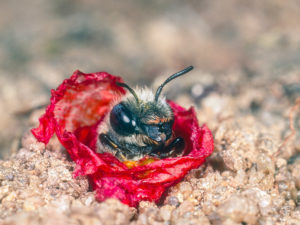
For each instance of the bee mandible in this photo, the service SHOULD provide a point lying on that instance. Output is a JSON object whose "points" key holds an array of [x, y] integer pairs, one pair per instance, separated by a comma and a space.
{"points": [[140, 124]]}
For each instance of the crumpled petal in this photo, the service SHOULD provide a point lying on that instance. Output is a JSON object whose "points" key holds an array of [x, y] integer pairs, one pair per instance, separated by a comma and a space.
{"points": [[77, 108]]}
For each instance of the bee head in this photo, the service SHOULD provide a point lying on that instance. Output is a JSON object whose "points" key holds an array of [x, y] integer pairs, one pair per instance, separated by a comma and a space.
{"points": [[145, 113], [152, 119]]}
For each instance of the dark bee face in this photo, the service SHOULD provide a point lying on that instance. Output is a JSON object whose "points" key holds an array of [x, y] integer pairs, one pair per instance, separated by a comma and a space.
{"points": [[126, 121], [160, 132]]}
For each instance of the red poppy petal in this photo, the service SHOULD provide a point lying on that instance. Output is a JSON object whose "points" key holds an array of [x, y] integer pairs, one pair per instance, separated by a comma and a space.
{"points": [[78, 106]]}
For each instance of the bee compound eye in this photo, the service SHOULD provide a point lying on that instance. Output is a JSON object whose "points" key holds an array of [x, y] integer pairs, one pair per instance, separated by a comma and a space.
{"points": [[121, 120]]}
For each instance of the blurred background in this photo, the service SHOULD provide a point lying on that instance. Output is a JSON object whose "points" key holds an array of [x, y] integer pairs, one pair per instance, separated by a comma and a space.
{"points": [[248, 51]]}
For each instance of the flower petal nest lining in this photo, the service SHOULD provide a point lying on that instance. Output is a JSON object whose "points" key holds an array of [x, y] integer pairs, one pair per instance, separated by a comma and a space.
{"points": [[77, 108]]}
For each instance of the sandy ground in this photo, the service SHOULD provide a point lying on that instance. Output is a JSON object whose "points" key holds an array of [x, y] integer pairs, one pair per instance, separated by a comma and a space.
{"points": [[245, 88]]}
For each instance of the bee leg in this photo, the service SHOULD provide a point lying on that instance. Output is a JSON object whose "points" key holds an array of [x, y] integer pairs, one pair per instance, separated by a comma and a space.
{"points": [[176, 145], [105, 139]]}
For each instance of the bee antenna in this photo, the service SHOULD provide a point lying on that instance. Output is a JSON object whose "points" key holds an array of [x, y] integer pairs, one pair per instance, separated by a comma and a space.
{"points": [[172, 77], [129, 89]]}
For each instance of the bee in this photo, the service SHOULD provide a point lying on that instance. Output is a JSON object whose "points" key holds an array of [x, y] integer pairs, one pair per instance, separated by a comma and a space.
{"points": [[140, 124]]}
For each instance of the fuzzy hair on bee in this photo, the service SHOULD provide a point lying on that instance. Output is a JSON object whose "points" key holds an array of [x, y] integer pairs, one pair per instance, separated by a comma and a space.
{"points": [[140, 124]]}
